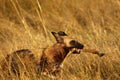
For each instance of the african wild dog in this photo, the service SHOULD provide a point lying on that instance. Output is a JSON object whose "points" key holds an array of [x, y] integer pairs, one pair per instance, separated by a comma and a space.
{"points": [[53, 56]]}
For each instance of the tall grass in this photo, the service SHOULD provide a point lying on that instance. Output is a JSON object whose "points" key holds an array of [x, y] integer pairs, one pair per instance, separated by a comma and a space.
{"points": [[96, 24]]}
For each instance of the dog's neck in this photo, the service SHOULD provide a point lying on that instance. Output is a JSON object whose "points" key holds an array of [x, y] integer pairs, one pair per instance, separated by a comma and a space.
{"points": [[62, 52]]}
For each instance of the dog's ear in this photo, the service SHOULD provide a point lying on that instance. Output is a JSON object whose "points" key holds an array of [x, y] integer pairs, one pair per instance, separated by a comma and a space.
{"points": [[59, 36], [61, 33]]}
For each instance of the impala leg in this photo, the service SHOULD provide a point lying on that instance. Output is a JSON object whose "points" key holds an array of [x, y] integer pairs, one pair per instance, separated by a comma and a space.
{"points": [[93, 51]]}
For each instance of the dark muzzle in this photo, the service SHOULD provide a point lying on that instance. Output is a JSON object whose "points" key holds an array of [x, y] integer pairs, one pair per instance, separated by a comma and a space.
{"points": [[75, 44]]}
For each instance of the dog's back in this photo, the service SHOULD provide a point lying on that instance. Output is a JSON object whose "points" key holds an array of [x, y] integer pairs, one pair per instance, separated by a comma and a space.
{"points": [[18, 61]]}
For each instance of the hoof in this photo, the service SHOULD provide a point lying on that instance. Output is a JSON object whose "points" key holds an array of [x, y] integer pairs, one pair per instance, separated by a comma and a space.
{"points": [[101, 54]]}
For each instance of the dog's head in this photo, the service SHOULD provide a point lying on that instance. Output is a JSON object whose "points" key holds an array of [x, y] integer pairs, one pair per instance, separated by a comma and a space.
{"points": [[63, 38]]}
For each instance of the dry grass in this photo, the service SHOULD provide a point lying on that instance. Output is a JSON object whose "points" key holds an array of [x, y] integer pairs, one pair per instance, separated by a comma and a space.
{"points": [[28, 23]]}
